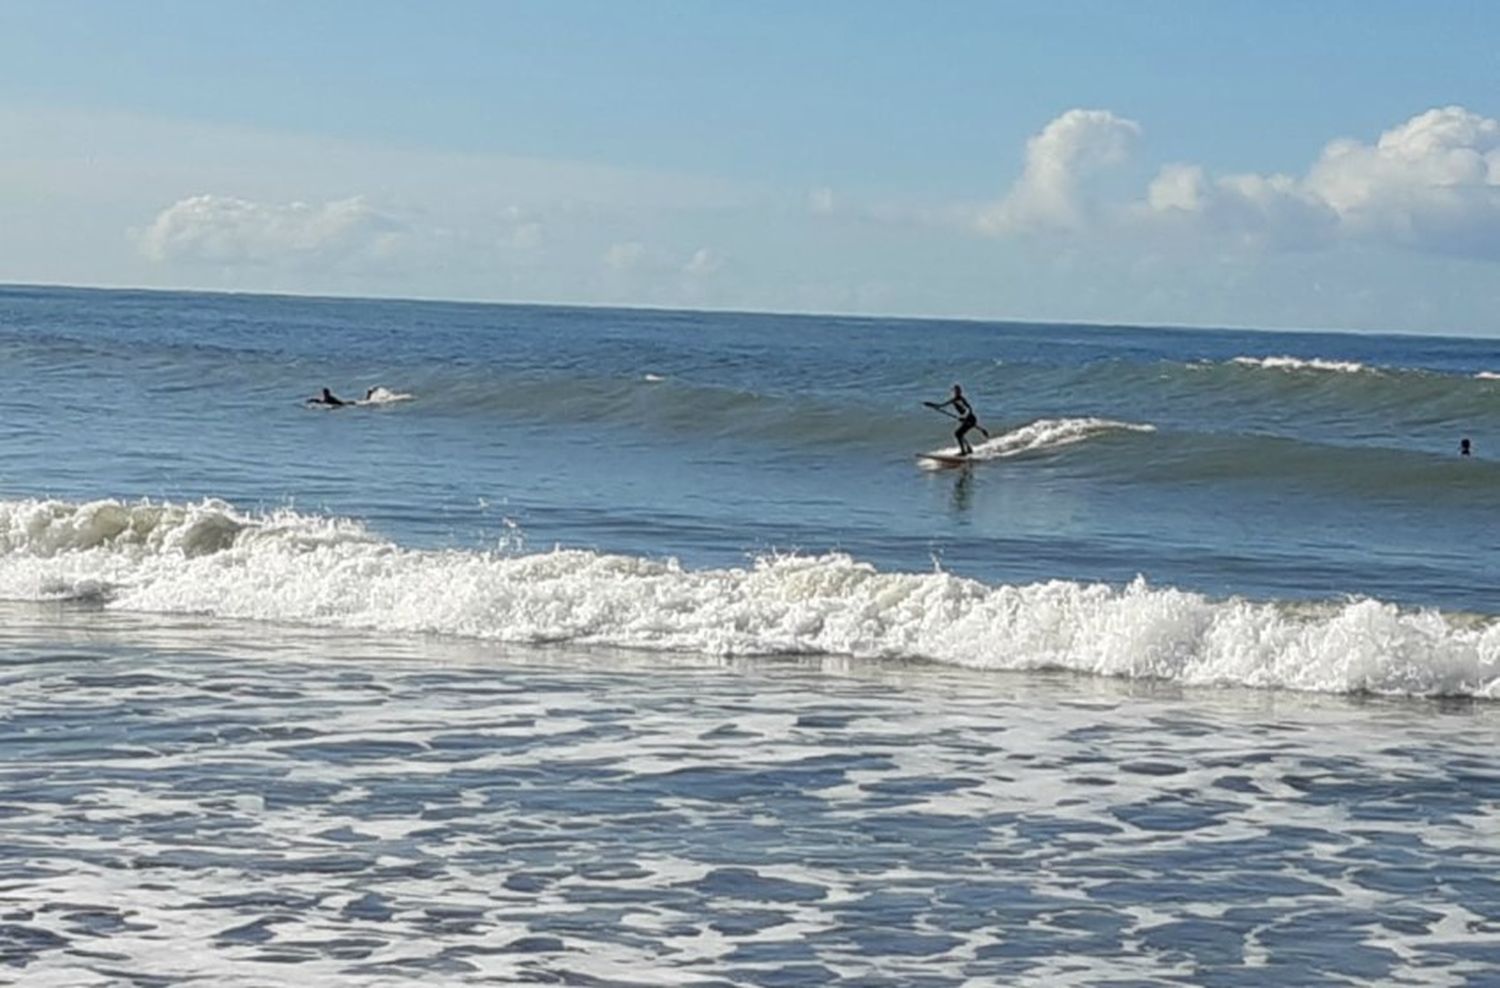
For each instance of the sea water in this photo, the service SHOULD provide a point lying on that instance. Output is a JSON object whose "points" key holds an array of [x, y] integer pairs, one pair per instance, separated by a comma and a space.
{"points": [[631, 647]]}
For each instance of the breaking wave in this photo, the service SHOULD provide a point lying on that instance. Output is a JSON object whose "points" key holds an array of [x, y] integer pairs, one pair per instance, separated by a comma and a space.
{"points": [[1304, 364], [1048, 434], [208, 558]]}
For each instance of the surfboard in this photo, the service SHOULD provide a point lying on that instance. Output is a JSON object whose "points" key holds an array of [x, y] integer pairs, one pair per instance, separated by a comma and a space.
{"points": [[945, 459], [382, 396]]}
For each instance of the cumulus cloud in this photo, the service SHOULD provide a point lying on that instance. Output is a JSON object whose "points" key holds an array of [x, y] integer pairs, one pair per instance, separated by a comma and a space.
{"points": [[1430, 184], [1052, 192], [229, 231], [1258, 210]]}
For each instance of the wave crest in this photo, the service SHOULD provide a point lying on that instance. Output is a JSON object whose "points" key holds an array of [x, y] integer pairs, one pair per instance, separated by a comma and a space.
{"points": [[1048, 434], [44, 529], [285, 567], [1285, 363]]}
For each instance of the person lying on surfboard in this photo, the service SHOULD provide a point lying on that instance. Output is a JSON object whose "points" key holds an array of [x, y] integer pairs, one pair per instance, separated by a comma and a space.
{"points": [[326, 398], [962, 411]]}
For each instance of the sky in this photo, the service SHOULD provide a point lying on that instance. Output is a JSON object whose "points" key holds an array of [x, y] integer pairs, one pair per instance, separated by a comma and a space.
{"points": [[1276, 163]]}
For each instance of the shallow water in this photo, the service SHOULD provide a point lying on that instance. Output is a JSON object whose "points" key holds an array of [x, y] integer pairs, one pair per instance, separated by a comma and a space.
{"points": [[448, 813]]}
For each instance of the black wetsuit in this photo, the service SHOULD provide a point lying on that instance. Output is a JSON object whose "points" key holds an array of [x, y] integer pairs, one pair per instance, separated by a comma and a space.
{"points": [[967, 421]]}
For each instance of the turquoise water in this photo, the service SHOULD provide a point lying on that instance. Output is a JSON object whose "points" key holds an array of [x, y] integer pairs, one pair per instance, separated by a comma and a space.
{"points": [[625, 647]]}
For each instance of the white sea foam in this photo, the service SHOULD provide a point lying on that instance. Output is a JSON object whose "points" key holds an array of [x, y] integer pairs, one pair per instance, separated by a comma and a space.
{"points": [[384, 396], [1046, 434], [209, 559], [1488, 376], [1303, 364]]}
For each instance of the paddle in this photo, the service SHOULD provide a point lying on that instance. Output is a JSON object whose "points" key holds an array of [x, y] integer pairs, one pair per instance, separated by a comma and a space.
{"points": [[957, 418]]}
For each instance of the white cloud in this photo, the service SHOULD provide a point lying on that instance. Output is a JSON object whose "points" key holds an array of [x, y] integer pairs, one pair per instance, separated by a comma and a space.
{"points": [[1052, 192], [1258, 210], [624, 256], [1431, 184], [229, 231], [1182, 188], [102, 197], [497, 226], [703, 263]]}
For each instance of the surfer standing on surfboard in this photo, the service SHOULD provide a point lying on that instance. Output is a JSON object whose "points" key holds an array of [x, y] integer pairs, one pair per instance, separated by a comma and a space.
{"points": [[962, 411]]}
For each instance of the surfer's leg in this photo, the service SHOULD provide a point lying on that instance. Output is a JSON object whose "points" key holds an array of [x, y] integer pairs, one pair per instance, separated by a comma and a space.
{"points": [[969, 423]]}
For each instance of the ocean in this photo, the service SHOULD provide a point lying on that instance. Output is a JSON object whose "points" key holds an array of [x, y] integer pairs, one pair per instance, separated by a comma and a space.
{"points": [[626, 647]]}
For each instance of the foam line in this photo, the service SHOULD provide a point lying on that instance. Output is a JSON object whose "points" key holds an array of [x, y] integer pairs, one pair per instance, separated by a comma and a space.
{"points": [[208, 558]]}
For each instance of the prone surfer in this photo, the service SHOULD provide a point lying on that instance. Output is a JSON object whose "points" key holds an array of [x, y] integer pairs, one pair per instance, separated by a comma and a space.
{"points": [[962, 411], [327, 398]]}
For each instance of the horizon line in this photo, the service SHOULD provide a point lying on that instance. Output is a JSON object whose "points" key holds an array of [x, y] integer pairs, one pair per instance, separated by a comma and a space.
{"points": [[783, 313]]}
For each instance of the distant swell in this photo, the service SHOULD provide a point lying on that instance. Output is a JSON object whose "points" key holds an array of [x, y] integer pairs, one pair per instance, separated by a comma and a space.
{"points": [[210, 559], [1292, 395], [1303, 397]]}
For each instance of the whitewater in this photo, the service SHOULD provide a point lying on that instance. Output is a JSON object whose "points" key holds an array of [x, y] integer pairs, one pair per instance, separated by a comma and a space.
{"points": [[638, 647], [289, 568]]}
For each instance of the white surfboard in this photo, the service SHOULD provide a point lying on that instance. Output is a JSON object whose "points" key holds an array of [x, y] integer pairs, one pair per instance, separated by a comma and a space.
{"points": [[945, 459]]}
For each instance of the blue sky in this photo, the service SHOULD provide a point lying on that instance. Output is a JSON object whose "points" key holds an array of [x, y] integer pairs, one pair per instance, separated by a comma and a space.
{"points": [[1159, 162]]}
